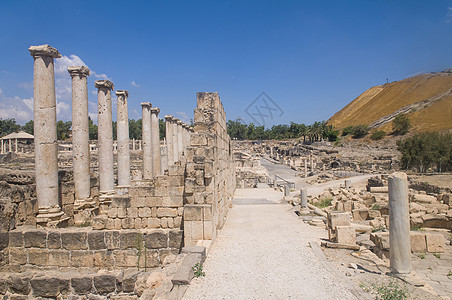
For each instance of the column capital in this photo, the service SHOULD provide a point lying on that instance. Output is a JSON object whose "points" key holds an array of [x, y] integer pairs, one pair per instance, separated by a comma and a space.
{"points": [[168, 118], [179, 122], [155, 110], [146, 104], [104, 84], [78, 71], [122, 93], [44, 50]]}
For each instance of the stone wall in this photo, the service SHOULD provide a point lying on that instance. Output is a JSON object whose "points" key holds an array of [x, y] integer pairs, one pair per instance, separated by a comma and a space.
{"points": [[209, 181], [30, 247]]}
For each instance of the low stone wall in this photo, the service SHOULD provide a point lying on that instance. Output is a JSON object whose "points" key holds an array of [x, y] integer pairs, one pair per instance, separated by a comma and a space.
{"points": [[84, 247]]}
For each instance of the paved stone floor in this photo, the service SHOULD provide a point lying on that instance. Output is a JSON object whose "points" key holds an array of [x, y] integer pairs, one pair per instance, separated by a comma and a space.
{"points": [[262, 252]]}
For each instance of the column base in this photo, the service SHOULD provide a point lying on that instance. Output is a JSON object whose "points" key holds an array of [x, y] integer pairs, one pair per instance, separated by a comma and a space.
{"points": [[410, 278], [84, 203], [51, 217], [122, 189]]}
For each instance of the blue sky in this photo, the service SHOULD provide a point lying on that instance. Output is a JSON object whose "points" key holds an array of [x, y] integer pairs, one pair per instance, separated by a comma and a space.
{"points": [[310, 57]]}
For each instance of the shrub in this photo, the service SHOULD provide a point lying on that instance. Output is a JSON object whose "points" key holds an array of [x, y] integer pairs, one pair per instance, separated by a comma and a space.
{"points": [[347, 130], [323, 203], [378, 135], [360, 131], [401, 124]]}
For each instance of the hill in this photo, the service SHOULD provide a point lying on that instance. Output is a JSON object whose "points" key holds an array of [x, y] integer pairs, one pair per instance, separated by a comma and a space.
{"points": [[426, 98]]}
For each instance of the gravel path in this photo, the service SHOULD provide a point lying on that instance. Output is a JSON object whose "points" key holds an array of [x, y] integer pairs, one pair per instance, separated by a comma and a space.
{"points": [[262, 252]]}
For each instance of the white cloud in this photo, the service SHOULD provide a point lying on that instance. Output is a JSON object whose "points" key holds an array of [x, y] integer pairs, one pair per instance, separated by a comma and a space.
{"points": [[181, 115], [29, 103], [16, 108], [93, 117], [101, 76], [133, 83], [25, 85], [449, 15]]}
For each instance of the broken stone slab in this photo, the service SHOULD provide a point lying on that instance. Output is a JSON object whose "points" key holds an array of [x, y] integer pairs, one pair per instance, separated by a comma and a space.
{"points": [[340, 246], [378, 189], [361, 228], [423, 198], [185, 273], [435, 242]]}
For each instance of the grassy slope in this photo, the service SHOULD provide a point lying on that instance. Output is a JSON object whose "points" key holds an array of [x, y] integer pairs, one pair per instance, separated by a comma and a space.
{"points": [[383, 100]]}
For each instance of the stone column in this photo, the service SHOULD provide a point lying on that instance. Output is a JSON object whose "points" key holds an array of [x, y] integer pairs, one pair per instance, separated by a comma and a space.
{"points": [[163, 158], [399, 224], [122, 120], [304, 198], [155, 141], [105, 136], [15, 146], [175, 140], [180, 143], [80, 133], [305, 168], [348, 183], [1, 148], [169, 139], [46, 146], [133, 144], [147, 140], [10, 145]]}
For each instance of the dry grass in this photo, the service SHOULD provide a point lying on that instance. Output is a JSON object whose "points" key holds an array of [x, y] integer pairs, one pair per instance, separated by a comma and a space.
{"points": [[380, 101]]}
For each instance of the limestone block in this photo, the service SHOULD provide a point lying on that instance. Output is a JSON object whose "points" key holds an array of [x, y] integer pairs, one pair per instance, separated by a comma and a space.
{"points": [[175, 239], [166, 212], [345, 235], [177, 222], [104, 284], [348, 206], [19, 283], [82, 259], [360, 214], [126, 258], [137, 223], [415, 207], [53, 240], [153, 223], [339, 206], [193, 231], [157, 239], [113, 212], [446, 198], [418, 243], [38, 257], [435, 242], [109, 224], [424, 198], [17, 256], [59, 258], [118, 224], [103, 258], [373, 214], [16, 239], [338, 219], [144, 212], [189, 185], [198, 139], [130, 239], [45, 286], [112, 239], [152, 259], [82, 285], [122, 212], [132, 212], [436, 221], [35, 239], [74, 240], [96, 240], [100, 222], [193, 213], [170, 222]]}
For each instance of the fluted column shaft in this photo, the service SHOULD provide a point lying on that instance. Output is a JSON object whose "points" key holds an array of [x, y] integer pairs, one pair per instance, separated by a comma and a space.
{"points": [[180, 142], [80, 132], [175, 140], [105, 136]]}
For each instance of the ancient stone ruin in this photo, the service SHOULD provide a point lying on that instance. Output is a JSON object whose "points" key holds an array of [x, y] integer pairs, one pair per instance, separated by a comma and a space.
{"points": [[103, 217]]}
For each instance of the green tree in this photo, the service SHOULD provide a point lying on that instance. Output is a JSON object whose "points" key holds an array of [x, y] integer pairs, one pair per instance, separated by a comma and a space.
{"points": [[378, 135], [63, 130], [135, 129], [92, 129], [360, 131], [401, 124], [29, 127], [162, 128], [8, 126]]}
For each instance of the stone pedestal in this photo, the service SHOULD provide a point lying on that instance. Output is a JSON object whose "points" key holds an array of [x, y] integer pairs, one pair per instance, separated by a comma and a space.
{"points": [[155, 141], [80, 134], [169, 139], [105, 136], [123, 142], [147, 140], [399, 220], [46, 146]]}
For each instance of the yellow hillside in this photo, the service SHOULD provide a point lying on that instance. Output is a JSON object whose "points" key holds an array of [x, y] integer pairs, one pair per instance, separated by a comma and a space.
{"points": [[381, 102]]}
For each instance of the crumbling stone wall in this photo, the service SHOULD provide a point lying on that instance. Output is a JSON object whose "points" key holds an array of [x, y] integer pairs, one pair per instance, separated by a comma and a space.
{"points": [[209, 181]]}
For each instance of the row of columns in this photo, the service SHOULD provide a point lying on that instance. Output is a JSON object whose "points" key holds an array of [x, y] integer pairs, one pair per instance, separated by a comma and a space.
{"points": [[177, 138]]}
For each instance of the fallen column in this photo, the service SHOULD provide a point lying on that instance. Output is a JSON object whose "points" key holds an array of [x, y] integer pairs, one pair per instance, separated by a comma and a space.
{"points": [[80, 134], [46, 146], [147, 140], [105, 136], [155, 141], [123, 142]]}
